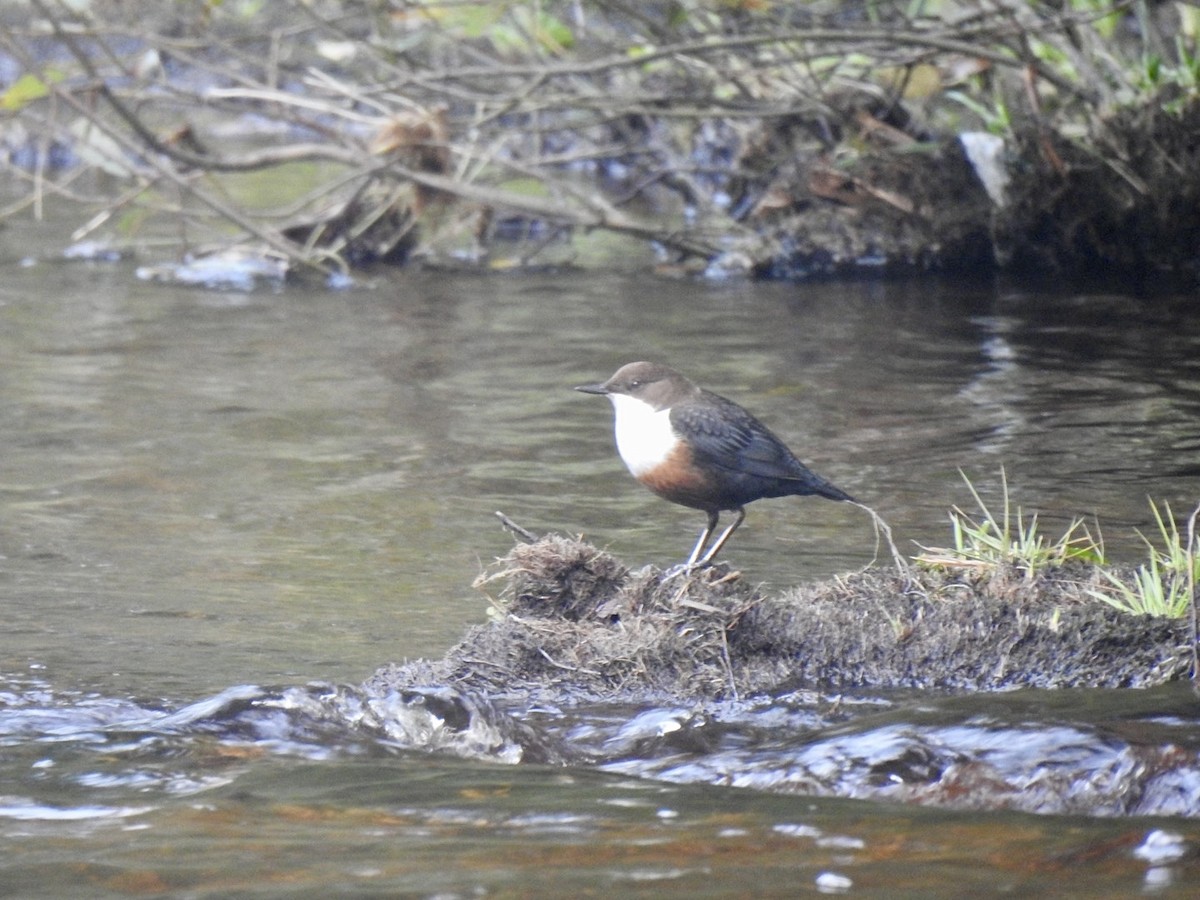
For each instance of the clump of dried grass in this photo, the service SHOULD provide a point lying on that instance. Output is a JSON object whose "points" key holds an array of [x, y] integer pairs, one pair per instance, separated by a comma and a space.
{"points": [[569, 609], [572, 622]]}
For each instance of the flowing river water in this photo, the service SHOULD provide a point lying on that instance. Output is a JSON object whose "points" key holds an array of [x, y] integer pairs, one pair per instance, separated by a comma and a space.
{"points": [[217, 506]]}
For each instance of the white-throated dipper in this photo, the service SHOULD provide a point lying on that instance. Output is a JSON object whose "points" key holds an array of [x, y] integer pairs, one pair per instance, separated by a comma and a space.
{"points": [[696, 448]]}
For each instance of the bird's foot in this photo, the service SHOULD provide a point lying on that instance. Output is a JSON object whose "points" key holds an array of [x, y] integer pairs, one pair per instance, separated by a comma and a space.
{"points": [[685, 568], [676, 571], [714, 571]]}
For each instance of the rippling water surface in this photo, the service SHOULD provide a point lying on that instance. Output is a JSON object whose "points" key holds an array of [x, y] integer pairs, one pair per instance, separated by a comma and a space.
{"points": [[201, 492]]}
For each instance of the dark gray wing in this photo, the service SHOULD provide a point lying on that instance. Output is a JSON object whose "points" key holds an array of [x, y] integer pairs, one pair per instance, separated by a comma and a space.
{"points": [[723, 434]]}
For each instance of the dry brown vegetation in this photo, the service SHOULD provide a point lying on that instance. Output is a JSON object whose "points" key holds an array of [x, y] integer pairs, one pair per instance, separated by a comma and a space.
{"points": [[774, 139], [571, 621]]}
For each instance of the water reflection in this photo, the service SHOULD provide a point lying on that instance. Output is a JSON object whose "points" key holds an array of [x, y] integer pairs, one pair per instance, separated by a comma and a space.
{"points": [[206, 490], [303, 484]]}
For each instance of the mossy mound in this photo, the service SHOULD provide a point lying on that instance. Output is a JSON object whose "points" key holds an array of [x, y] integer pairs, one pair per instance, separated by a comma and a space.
{"points": [[572, 622]]}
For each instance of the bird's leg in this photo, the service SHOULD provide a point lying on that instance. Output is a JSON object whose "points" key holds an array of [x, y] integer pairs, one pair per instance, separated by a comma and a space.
{"points": [[702, 541], [716, 548]]}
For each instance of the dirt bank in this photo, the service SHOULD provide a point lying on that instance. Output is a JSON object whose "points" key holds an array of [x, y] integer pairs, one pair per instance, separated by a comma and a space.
{"points": [[1122, 202], [779, 141]]}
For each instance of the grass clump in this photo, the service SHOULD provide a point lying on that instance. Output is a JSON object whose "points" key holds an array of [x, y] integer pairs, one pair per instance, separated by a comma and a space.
{"points": [[1166, 583], [992, 540]]}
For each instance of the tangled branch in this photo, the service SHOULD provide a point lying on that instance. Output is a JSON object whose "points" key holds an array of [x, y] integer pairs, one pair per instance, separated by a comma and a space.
{"points": [[419, 127]]}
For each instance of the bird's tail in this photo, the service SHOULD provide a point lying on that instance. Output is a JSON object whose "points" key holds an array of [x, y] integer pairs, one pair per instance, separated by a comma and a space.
{"points": [[831, 492], [815, 484]]}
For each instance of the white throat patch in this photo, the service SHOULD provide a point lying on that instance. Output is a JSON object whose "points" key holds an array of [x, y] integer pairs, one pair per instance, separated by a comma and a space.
{"points": [[644, 435]]}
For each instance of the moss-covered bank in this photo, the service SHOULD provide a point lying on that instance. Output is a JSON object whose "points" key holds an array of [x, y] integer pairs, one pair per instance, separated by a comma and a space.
{"points": [[573, 622]]}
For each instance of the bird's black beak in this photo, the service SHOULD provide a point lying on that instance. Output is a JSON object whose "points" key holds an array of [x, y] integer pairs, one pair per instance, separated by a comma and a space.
{"points": [[592, 388]]}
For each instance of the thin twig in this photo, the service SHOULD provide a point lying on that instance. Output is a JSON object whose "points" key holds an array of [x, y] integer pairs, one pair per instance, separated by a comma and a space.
{"points": [[883, 529], [564, 666], [516, 530]]}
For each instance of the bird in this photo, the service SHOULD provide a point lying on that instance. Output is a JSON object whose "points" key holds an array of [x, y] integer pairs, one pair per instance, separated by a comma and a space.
{"points": [[701, 450]]}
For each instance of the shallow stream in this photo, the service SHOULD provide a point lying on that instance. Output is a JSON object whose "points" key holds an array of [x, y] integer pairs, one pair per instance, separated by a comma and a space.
{"points": [[220, 511]]}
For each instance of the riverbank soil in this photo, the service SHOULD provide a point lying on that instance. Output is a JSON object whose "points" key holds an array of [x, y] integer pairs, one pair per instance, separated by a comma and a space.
{"points": [[1124, 202], [730, 140]]}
